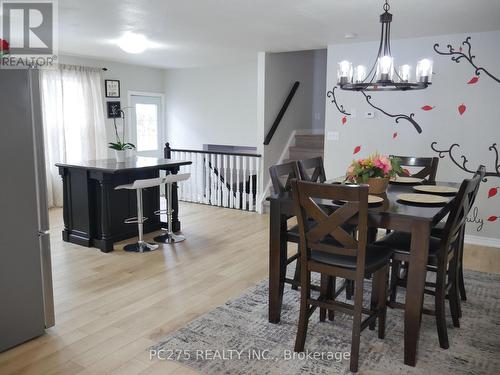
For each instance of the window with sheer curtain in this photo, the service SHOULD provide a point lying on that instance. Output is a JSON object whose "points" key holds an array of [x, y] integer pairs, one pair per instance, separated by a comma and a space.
{"points": [[73, 119]]}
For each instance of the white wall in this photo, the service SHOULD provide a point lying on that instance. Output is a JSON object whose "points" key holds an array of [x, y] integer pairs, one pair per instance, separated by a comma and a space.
{"points": [[212, 105], [131, 77], [476, 130]]}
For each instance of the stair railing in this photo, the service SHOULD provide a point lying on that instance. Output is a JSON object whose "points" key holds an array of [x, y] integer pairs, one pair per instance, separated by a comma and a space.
{"points": [[281, 113], [224, 179]]}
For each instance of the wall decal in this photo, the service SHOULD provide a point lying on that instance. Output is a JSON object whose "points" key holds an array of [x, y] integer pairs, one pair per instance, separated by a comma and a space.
{"points": [[340, 107], [428, 107], [457, 56], [474, 218], [493, 191], [493, 218], [396, 117], [462, 108], [344, 120], [473, 80], [463, 164], [394, 135], [356, 150]]}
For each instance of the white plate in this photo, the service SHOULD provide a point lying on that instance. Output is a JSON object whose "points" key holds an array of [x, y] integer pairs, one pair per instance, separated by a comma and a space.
{"points": [[422, 198], [436, 189], [406, 180]]}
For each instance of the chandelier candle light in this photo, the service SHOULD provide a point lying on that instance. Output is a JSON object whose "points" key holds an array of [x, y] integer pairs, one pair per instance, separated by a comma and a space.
{"points": [[383, 76]]}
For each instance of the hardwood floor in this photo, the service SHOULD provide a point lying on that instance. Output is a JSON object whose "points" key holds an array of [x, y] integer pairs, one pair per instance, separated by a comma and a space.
{"points": [[111, 307]]}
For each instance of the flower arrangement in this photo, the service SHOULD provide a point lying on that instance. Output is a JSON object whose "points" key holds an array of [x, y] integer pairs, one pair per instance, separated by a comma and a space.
{"points": [[4, 47], [120, 144], [375, 166]]}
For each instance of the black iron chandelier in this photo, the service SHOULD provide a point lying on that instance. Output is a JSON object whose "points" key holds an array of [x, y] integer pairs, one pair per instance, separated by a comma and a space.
{"points": [[383, 76]]}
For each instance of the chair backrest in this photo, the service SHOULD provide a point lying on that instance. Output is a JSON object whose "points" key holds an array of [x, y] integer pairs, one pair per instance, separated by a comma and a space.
{"points": [[460, 209], [327, 234], [171, 178], [429, 166], [282, 174], [312, 169], [481, 172]]}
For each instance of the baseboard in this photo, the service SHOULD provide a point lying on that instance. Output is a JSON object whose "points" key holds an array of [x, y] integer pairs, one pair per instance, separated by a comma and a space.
{"points": [[482, 241]]}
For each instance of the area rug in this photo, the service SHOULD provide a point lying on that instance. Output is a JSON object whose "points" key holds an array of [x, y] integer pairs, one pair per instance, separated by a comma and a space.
{"points": [[237, 338]]}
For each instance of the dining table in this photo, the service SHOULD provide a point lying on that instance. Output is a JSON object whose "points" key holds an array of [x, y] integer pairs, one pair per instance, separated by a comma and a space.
{"points": [[392, 214]]}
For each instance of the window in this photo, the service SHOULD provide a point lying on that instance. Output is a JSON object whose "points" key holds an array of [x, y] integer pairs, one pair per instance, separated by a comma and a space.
{"points": [[147, 127]]}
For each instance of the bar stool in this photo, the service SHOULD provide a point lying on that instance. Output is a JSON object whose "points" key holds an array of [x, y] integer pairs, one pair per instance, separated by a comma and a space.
{"points": [[141, 246], [170, 237]]}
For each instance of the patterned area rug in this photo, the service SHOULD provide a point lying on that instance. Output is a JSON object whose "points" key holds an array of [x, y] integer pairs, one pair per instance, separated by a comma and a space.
{"points": [[236, 338]]}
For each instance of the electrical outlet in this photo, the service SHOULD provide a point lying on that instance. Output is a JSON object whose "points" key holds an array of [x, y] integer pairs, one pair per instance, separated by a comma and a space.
{"points": [[333, 136]]}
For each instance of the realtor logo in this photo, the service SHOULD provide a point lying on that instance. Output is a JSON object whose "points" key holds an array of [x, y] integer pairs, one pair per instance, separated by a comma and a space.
{"points": [[29, 28]]}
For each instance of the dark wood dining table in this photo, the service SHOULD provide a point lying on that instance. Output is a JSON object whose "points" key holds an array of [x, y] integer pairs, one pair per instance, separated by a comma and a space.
{"points": [[390, 214]]}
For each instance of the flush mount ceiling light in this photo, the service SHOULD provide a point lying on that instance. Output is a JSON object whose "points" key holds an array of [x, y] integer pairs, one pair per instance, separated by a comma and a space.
{"points": [[133, 43], [383, 75]]}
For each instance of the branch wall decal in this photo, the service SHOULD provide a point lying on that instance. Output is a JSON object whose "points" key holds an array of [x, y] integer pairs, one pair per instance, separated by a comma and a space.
{"points": [[457, 56], [463, 164], [396, 117], [340, 107]]}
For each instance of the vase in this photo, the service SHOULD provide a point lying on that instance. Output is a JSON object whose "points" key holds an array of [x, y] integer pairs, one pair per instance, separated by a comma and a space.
{"points": [[120, 156], [377, 185]]}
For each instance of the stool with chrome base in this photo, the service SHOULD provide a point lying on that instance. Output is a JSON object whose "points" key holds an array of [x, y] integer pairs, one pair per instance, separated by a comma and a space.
{"points": [[141, 245], [170, 236]]}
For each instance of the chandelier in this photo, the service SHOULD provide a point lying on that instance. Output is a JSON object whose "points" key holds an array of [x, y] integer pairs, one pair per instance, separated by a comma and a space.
{"points": [[383, 76]]}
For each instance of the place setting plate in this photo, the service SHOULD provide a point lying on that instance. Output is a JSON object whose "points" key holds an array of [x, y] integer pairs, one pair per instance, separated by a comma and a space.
{"points": [[406, 180], [436, 189], [422, 199], [372, 199]]}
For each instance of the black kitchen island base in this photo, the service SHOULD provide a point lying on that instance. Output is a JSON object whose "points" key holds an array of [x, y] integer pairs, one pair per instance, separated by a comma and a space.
{"points": [[94, 212]]}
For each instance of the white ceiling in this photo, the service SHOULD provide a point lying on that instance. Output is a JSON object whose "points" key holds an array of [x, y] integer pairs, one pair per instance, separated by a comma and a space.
{"points": [[207, 32]]}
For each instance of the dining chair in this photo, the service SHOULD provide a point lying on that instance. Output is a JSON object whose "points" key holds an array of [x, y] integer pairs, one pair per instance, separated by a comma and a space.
{"points": [[438, 230], [443, 259], [281, 176], [429, 166], [328, 249], [312, 170]]}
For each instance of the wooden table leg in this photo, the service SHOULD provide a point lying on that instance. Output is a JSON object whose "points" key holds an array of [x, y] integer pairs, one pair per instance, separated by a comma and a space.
{"points": [[415, 289], [277, 261]]}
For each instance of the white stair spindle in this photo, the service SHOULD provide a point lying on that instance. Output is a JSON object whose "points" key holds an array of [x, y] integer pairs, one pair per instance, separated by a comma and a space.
{"points": [[213, 190], [231, 188], [250, 192], [219, 182], [237, 166], [258, 207], [224, 185], [244, 188], [207, 179]]}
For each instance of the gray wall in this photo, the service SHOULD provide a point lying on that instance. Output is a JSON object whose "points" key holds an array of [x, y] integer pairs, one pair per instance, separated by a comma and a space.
{"points": [[475, 131], [214, 105]]}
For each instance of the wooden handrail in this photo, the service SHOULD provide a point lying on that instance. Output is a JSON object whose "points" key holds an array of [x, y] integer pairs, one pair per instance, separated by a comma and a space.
{"points": [[281, 113], [167, 152]]}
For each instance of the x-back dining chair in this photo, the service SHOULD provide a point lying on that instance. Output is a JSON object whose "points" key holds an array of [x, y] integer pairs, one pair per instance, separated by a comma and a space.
{"points": [[328, 249], [443, 259], [312, 169], [429, 166]]}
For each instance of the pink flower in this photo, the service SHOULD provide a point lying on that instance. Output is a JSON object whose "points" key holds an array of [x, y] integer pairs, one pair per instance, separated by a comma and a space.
{"points": [[350, 170], [383, 163]]}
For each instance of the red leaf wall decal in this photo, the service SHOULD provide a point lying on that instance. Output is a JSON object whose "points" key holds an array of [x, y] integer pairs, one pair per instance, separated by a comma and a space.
{"points": [[356, 150], [492, 192], [493, 218], [344, 120], [427, 107], [394, 135], [473, 80], [461, 109]]}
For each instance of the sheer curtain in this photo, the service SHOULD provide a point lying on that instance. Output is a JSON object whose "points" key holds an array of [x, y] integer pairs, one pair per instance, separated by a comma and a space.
{"points": [[73, 119]]}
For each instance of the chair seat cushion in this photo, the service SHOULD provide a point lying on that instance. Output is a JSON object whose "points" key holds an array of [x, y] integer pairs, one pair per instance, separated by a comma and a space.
{"points": [[376, 257], [438, 230], [401, 242]]}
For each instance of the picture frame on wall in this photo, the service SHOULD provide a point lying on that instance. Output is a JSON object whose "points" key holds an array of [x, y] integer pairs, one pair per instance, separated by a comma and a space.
{"points": [[113, 109], [112, 88]]}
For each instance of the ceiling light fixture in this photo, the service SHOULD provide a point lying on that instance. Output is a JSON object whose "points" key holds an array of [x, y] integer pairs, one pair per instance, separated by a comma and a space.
{"points": [[133, 43], [383, 76]]}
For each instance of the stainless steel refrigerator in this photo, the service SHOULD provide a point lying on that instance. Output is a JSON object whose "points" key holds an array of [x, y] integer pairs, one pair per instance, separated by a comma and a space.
{"points": [[26, 299]]}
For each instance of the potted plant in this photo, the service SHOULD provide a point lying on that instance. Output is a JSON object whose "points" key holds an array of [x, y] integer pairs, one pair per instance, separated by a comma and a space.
{"points": [[376, 170], [120, 146]]}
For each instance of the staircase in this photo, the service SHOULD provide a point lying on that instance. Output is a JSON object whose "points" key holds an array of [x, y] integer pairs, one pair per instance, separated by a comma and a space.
{"points": [[306, 146]]}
